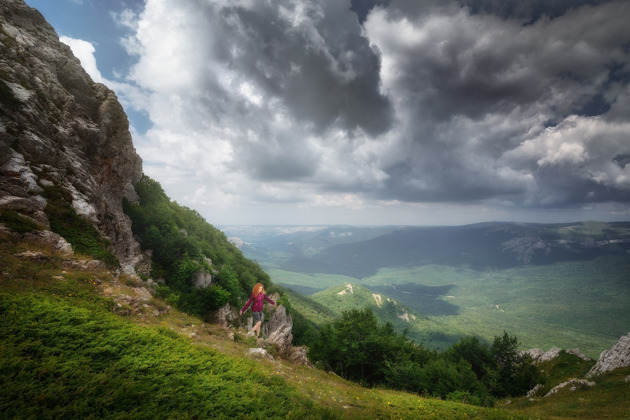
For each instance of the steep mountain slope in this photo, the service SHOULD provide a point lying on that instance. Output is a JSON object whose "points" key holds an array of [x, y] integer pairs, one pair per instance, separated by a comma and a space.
{"points": [[64, 140], [67, 164]]}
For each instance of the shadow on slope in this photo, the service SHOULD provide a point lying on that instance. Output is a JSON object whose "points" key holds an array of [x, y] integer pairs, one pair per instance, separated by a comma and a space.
{"points": [[424, 299]]}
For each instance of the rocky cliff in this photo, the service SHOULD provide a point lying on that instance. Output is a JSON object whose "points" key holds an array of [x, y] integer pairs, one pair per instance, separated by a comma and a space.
{"points": [[61, 131]]}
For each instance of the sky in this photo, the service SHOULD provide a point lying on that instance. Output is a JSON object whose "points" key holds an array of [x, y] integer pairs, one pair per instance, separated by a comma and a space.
{"points": [[370, 112]]}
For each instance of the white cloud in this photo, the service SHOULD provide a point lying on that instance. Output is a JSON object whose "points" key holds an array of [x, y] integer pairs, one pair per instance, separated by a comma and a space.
{"points": [[84, 51]]}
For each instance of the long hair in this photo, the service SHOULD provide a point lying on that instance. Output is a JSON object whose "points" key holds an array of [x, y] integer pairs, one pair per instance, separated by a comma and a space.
{"points": [[258, 289]]}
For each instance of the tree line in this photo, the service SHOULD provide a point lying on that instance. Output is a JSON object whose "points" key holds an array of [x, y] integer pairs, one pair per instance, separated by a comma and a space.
{"points": [[357, 348]]}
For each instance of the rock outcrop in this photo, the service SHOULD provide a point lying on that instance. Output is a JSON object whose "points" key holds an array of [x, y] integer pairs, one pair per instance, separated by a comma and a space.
{"points": [[278, 333], [540, 356], [617, 357], [60, 130], [225, 316], [573, 384]]}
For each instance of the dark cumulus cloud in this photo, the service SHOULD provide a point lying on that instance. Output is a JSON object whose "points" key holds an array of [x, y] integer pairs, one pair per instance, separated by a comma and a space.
{"points": [[367, 103], [363, 7], [528, 10], [507, 100], [312, 57]]}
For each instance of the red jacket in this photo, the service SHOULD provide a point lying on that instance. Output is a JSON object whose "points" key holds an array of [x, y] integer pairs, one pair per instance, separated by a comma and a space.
{"points": [[259, 302]]}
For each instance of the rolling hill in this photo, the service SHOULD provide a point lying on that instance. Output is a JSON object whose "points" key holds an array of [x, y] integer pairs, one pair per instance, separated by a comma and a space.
{"points": [[405, 320]]}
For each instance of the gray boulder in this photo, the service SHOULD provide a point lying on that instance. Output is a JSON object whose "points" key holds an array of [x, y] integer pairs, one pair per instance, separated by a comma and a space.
{"points": [[617, 357]]}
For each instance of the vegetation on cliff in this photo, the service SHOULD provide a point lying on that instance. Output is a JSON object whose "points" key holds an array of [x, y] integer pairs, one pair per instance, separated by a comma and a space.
{"points": [[183, 244]]}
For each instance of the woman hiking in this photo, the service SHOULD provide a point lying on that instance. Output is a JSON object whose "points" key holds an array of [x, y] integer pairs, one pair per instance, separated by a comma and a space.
{"points": [[258, 297]]}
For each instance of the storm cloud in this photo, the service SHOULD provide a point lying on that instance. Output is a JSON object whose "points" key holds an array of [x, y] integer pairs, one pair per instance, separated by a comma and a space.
{"points": [[367, 103]]}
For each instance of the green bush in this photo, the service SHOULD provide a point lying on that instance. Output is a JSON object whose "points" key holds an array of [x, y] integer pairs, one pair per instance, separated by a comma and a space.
{"points": [[17, 222], [515, 372], [84, 238]]}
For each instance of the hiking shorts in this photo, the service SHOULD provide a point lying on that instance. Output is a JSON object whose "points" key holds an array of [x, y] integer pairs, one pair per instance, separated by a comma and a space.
{"points": [[258, 316]]}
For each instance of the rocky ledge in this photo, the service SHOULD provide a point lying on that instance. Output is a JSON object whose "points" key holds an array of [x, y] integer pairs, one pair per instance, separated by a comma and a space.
{"points": [[617, 357]]}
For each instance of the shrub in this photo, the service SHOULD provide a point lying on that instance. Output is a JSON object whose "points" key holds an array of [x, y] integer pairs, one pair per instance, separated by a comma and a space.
{"points": [[84, 237], [17, 222]]}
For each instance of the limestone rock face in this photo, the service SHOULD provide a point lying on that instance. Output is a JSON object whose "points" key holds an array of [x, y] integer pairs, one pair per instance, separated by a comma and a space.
{"points": [[278, 329], [540, 356], [225, 316], [617, 357], [59, 129]]}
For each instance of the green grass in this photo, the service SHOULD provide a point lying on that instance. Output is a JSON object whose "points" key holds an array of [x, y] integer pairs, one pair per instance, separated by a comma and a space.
{"points": [[64, 361], [608, 399], [562, 368], [66, 353]]}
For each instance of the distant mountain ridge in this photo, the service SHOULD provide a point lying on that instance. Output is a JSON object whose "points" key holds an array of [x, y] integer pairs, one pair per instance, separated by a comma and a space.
{"points": [[480, 246]]}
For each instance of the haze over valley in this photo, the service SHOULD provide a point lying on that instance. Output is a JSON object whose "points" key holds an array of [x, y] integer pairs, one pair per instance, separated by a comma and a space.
{"points": [[560, 285]]}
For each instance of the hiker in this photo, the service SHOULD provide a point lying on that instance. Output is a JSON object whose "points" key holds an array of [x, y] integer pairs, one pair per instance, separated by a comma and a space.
{"points": [[258, 297]]}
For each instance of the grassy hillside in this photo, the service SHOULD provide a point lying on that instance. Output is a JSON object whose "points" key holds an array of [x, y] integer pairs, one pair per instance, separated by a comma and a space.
{"points": [[310, 309], [72, 348], [608, 399]]}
